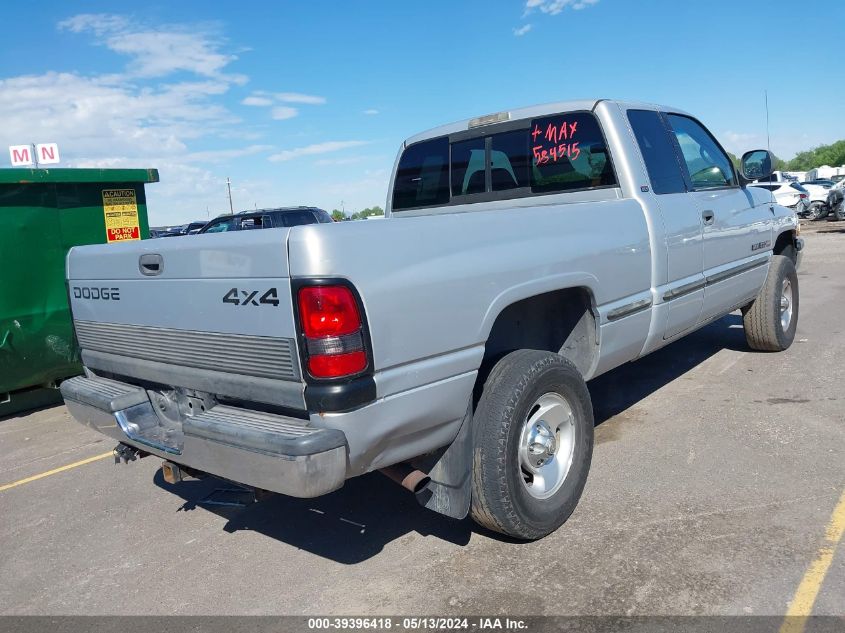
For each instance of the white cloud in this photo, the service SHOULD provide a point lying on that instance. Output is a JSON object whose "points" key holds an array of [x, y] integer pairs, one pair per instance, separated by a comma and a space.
{"points": [[317, 148], [220, 155], [99, 23], [257, 101], [108, 115], [262, 98], [371, 111], [296, 97], [553, 7], [522, 30], [281, 113], [157, 52]]}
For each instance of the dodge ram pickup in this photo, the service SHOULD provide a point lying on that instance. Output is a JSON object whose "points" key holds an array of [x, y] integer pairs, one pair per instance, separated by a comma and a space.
{"points": [[523, 254]]}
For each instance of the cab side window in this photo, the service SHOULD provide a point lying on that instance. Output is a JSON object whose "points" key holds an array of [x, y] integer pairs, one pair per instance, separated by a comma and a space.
{"points": [[661, 159], [708, 165]]}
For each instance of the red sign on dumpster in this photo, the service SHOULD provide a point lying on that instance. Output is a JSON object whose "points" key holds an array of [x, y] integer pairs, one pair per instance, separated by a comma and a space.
{"points": [[120, 209]]}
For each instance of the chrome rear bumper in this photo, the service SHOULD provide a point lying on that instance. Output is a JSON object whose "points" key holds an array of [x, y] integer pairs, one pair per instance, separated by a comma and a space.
{"points": [[267, 451]]}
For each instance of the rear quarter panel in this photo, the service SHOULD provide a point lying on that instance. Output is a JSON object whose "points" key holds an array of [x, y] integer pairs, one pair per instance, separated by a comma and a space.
{"points": [[433, 285]]}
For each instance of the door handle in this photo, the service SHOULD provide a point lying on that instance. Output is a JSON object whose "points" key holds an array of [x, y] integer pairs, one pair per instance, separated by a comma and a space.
{"points": [[709, 217], [151, 264]]}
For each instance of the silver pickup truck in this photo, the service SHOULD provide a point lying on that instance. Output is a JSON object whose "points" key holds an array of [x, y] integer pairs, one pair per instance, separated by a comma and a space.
{"points": [[449, 346]]}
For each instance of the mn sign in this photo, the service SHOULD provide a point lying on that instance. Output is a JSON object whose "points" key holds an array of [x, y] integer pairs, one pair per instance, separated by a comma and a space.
{"points": [[41, 154]]}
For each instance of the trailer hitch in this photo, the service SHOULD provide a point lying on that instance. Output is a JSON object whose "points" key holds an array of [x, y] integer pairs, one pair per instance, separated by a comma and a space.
{"points": [[125, 453]]}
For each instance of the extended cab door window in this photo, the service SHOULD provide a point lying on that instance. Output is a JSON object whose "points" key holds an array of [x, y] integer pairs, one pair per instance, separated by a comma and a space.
{"points": [[661, 160], [707, 164]]}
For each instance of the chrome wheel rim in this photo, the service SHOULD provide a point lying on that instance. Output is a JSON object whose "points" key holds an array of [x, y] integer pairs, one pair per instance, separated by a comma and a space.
{"points": [[546, 445], [786, 300]]}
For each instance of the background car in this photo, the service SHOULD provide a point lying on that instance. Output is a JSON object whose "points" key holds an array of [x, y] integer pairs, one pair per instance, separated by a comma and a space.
{"points": [[818, 199], [267, 219], [194, 227], [824, 182], [835, 203], [176, 230], [788, 194]]}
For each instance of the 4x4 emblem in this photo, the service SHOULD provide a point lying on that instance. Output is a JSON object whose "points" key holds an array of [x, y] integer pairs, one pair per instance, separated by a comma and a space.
{"points": [[248, 297]]}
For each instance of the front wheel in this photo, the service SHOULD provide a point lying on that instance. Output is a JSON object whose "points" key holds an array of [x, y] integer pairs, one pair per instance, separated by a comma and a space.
{"points": [[839, 214], [533, 443], [770, 321]]}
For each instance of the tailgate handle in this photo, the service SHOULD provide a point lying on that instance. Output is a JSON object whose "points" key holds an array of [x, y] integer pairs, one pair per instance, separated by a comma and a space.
{"points": [[151, 264]]}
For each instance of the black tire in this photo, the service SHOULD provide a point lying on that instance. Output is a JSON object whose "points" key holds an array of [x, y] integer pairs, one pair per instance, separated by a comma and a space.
{"points": [[764, 329], [500, 497], [839, 213], [789, 252]]}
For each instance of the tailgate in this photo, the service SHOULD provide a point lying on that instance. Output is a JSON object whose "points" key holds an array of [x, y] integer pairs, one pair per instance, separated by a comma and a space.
{"points": [[205, 312]]}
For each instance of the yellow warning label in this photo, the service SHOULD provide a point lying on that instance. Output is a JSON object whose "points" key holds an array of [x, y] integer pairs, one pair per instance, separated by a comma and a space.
{"points": [[120, 209]]}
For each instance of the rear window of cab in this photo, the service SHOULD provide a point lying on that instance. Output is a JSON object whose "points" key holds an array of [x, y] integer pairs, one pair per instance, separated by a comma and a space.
{"points": [[553, 154]]}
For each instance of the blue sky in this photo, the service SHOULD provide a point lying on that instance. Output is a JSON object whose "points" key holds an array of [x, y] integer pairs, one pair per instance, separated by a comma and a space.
{"points": [[307, 102]]}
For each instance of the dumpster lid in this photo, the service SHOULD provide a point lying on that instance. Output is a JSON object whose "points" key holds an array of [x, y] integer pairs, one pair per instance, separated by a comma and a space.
{"points": [[17, 175]]}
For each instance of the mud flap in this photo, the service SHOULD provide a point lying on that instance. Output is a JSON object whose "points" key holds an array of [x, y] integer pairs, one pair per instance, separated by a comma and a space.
{"points": [[450, 489]]}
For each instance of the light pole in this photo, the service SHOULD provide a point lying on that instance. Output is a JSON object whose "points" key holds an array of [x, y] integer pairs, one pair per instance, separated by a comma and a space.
{"points": [[229, 188]]}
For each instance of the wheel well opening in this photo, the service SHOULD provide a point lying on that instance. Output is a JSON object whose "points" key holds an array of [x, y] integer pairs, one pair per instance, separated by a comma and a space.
{"points": [[784, 245], [561, 321]]}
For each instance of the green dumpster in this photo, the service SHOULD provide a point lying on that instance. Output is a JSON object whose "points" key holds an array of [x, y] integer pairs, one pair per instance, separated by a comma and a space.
{"points": [[43, 212]]}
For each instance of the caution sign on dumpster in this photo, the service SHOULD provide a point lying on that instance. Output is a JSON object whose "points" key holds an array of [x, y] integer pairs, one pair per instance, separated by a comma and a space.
{"points": [[120, 208]]}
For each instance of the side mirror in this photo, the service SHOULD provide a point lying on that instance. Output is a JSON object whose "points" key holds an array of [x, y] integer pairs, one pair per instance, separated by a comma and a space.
{"points": [[756, 164]]}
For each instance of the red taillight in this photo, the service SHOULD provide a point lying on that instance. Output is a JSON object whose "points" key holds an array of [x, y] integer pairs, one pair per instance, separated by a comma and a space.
{"points": [[328, 311], [335, 365], [803, 196], [332, 326]]}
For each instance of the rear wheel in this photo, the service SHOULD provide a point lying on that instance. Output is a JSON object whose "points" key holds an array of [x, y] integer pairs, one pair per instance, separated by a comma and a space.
{"points": [[839, 214], [533, 443], [772, 317]]}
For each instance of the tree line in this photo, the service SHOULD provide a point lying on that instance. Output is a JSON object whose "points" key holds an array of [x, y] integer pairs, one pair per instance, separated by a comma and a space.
{"points": [[833, 155], [339, 216]]}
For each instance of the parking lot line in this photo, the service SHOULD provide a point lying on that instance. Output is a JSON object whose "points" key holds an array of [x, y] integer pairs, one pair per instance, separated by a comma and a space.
{"points": [[60, 469], [805, 596]]}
